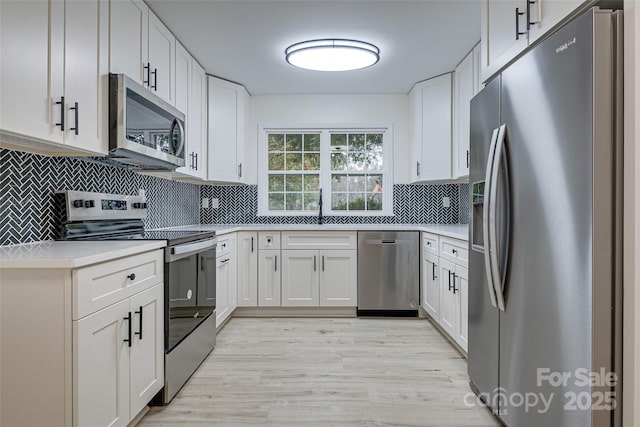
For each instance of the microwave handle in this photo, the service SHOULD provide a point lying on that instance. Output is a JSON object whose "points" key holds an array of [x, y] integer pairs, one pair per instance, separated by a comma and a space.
{"points": [[180, 147]]}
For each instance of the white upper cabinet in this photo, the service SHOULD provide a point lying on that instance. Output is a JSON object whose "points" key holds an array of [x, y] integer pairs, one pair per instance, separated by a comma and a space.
{"points": [[465, 87], [142, 47], [53, 75], [504, 33], [509, 26], [228, 103], [162, 45], [431, 129], [545, 14], [183, 80], [129, 32], [197, 121]]}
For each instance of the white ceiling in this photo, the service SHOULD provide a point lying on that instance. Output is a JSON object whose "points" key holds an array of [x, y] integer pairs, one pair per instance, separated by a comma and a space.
{"points": [[244, 41]]}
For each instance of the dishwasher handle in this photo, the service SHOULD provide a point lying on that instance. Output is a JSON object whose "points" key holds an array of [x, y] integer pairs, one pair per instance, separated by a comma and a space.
{"points": [[379, 242]]}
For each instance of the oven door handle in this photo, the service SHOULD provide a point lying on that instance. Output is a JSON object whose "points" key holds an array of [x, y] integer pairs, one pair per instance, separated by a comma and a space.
{"points": [[189, 248]]}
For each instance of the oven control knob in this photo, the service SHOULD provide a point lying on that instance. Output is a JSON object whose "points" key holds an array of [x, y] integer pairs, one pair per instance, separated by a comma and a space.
{"points": [[89, 204], [138, 205], [78, 203]]}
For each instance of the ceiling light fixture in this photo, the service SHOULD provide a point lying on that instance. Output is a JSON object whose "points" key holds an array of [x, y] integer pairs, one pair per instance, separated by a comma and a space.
{"points": [[332, 55]]}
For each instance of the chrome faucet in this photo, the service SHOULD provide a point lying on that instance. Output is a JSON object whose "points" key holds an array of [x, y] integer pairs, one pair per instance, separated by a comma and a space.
{"points": [[320, 209]]}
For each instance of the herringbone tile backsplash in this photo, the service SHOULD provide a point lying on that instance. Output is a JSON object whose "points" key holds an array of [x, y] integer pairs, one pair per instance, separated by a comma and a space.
{"points": [[412, 204], [28, 182]]}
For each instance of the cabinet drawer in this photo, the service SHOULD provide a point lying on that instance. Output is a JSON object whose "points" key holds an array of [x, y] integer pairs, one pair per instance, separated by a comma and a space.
{"points": [[225, 246], [454, 250], [430, 243], [319, 240], [269, 240], [100, 285]]}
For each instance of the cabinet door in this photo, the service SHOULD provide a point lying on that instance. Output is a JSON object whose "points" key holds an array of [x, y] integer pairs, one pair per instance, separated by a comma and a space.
{"points": [[207, 268], [477, 62], [415, 118], [436, 129], [31, 68], [430, 285], [545, 14], [463, 90], [448, 300], [86, 74], [223, 130], [197, 121], [338, 278], [232, 292], [222, 289], [162, 47], [462, 286], [242, 115], [128, 38], [183, 104], [146, 373], [300, 278], [498, 34], [101, 367], [247, 269], [269, 277]]}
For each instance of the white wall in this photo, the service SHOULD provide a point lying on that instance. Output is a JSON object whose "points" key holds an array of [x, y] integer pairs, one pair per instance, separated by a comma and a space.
{"points": [[282, 110], [631, 239]]}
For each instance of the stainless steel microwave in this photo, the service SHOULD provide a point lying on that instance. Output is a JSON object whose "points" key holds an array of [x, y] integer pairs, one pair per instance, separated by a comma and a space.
{"points": [[144, 131]]}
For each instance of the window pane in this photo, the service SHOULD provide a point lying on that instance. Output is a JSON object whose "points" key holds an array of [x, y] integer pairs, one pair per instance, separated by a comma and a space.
{"points": [[294, 142], [294, 183], [356, 183], [373, 204], [276, 142], [374, 160], [311, 161], [374, 183], [311, 182], [357, 161], [294, 201], [312, 142], [356, 142], [294, 161], [276, 201], [374, 142], [338, 142], [276, 182], [338, 161], [276, 161], [310, 201], [339, 183], [339, 201], [356, 201]]}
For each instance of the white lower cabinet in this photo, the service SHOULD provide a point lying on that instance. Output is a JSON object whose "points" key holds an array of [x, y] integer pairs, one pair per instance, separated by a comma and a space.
{"points": [[338, 278], [226, 278], [94, 353], [300, 278], [247, 269], [431, 285], [454, 301], [269, 277], [119, 358]]}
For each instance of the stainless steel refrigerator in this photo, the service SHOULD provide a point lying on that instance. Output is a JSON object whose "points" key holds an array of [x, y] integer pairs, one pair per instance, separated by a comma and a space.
{"points": [[544, 247]]}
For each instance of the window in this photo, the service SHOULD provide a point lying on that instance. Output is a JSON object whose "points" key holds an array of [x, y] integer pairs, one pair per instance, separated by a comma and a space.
{"points": [[351, 166]]}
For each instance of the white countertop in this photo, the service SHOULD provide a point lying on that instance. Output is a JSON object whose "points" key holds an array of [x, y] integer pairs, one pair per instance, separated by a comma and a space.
{"points": [[457, 231], [66, 254]]}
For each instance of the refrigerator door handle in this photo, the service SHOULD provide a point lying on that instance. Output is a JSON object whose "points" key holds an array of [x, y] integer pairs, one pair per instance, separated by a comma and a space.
{"points": [[499, 161], [485, 217]]}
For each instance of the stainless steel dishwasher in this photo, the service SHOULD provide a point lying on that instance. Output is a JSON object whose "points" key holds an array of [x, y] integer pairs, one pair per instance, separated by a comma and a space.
{"points": [[388, 273]]}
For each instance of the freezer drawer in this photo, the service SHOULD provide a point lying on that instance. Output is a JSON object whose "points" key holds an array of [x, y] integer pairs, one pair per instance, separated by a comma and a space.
{"points": [[388, 272]]}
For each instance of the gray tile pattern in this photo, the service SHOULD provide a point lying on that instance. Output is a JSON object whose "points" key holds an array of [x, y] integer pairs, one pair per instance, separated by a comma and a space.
{"points": [[412, 204], [28, 182]]}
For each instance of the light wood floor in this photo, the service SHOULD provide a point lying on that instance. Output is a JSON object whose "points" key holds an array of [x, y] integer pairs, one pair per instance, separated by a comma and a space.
{"points": [[326, 372]]}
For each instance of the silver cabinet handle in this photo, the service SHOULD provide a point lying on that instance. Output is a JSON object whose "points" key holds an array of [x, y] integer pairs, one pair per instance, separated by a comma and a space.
{"points": [[276, 263]]}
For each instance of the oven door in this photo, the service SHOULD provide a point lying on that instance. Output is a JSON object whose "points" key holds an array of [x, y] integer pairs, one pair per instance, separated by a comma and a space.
{"points": [[187, 276]]}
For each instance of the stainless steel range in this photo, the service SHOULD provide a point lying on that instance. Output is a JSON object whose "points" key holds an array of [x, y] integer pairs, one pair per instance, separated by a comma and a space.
{"points": [[189, 274]]}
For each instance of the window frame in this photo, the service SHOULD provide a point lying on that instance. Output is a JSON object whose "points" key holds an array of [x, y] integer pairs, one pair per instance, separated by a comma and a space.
{"points": [[325, 172]]}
